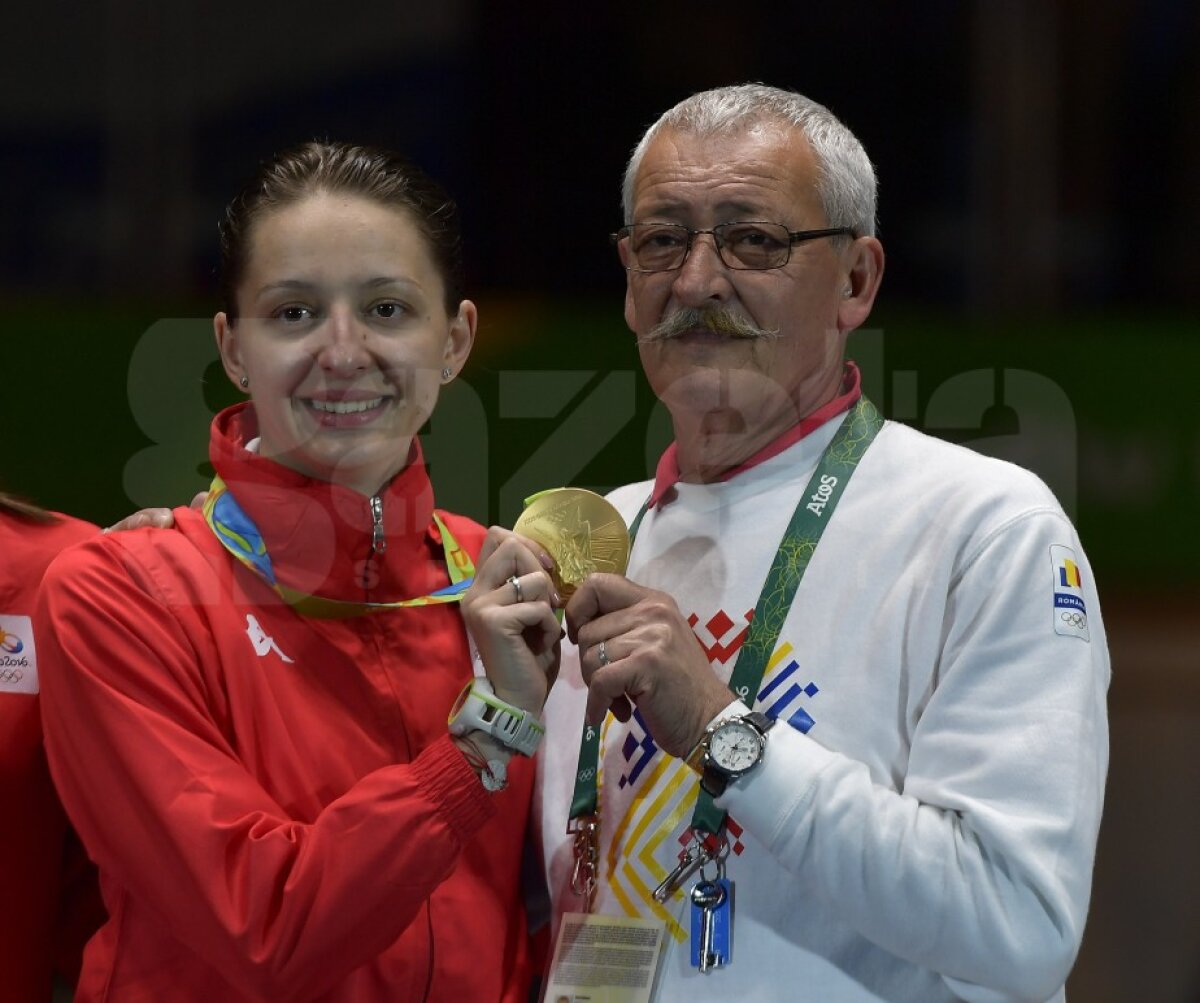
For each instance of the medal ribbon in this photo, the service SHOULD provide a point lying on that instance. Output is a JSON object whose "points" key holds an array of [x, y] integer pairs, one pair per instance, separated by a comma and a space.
{"points": [[238, 534], [792, 558]]}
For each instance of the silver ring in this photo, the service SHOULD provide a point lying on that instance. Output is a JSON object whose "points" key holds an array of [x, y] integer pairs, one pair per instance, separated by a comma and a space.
{"points": [[515, 582], [602, 655]]}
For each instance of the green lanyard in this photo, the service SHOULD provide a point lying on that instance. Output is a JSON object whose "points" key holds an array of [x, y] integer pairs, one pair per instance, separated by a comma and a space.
{"points": [[813, 512], [236, 532]]}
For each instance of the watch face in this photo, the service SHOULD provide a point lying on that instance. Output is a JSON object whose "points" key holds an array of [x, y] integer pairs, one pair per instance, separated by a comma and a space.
{"points": [[735, 746]]}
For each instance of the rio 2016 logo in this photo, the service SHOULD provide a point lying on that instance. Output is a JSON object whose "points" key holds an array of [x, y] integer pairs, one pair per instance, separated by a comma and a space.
{"points": [[10, 643], [11, 647]]}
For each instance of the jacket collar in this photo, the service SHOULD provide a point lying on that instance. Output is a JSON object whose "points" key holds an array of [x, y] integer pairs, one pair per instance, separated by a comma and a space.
{"points": [[667, 474], [323, 539]]}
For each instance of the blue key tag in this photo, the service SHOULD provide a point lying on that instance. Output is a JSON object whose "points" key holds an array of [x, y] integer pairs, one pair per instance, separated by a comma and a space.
{"points": [[711, 906]]}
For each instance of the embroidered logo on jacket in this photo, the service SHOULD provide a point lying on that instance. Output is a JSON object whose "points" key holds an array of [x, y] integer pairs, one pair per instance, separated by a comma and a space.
{"points": [[718, 627], [18, 656], [782, 696], [1070, 613], [263, 642]]}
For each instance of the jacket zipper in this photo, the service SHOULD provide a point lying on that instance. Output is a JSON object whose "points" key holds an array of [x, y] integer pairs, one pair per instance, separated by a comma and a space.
{"points": [[378, 544], [378, 540]]}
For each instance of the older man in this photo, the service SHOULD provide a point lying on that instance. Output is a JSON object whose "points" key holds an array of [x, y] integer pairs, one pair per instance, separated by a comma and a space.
{"points": [[855, 672]]}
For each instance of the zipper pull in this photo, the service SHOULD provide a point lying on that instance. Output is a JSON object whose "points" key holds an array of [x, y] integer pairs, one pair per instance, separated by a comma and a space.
{"points": [[378, 540]]}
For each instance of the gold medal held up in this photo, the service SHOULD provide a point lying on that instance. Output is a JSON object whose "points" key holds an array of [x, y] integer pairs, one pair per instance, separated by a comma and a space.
{"points": [[582, 531]]}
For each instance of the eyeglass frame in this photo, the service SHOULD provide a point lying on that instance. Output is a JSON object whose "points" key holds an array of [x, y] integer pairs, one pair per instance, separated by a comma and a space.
{"points": [[794, 237]]}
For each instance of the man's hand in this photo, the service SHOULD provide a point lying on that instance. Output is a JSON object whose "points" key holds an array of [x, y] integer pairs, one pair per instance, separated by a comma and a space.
{"points": [[651, 657], [155, 518], [513, 627]]}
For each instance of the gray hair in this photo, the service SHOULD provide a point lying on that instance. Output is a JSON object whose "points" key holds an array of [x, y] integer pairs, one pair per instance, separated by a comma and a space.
{"points": [[846, 181]]}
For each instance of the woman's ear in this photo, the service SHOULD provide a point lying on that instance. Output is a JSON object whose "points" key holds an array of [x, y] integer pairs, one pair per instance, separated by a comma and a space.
{"points": [[229, 346], [460, 337]]}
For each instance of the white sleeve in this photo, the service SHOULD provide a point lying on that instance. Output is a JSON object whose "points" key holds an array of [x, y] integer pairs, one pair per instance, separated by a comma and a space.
{"points": [[979, 866]]}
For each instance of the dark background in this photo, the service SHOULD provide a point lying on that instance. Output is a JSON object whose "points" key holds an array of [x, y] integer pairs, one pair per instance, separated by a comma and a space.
{"points": [[1038, 164]]}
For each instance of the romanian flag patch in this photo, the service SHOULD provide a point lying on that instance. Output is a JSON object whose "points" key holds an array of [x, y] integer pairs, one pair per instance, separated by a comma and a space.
{"points": [[1070, 611]]}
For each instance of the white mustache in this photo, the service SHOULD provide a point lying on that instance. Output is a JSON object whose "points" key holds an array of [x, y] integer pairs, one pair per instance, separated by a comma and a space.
{"points": [[717, 320]]}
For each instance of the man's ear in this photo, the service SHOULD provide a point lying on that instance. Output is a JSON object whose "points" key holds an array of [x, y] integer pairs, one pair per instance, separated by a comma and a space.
{"points": [[864, 272], [630, 310]]}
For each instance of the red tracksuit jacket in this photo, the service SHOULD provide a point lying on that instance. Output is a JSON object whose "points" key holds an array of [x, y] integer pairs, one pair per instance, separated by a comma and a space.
{"points": [[49, 899], [273, 801]]}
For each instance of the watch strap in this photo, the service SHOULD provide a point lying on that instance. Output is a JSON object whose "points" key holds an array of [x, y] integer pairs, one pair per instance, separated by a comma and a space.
{"points": [[714, 781], [479, 709]]}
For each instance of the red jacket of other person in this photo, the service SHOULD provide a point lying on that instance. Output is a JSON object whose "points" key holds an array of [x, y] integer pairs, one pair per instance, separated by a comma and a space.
{"points": [[273, 800], [48, 893]]}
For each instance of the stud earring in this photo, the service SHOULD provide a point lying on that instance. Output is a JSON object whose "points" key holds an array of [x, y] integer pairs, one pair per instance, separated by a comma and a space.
{"points": [[847, 293], [245, 382], [447, 374]]}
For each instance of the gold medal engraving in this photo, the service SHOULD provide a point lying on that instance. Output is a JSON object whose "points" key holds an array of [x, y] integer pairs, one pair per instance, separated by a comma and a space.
{"points": [[582, 531]]}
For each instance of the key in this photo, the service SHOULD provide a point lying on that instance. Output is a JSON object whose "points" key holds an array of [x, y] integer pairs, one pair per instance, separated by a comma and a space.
{"points": [[710, 925], [695, 857]]}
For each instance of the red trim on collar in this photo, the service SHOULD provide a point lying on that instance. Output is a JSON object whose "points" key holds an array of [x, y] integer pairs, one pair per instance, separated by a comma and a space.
{"points": [[667, 475]]}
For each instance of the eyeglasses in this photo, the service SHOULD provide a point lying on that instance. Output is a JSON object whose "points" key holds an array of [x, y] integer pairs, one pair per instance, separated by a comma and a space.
{"points": [[663, 247]]}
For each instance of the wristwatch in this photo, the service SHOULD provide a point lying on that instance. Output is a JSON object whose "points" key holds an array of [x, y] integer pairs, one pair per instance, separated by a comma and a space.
{"points": [[479, 709], [730, 748]]}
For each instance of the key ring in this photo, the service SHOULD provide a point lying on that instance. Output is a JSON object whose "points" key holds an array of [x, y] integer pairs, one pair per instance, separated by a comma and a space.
{"points": [[586, 850], [715, 855]]}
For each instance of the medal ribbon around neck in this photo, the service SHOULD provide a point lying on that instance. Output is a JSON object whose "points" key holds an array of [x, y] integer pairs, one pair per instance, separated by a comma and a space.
{"points": [[799, 543], [238, 534]]}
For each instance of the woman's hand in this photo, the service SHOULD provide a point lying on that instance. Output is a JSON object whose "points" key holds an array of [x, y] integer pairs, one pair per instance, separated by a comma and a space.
{"points": [[513, 625]]}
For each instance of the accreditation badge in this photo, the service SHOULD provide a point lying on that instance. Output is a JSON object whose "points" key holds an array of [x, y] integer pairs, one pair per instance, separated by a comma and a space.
{"points": [[605, 959], [18, 656]]}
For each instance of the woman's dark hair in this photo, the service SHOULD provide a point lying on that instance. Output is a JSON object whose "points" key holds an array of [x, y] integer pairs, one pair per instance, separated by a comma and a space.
{"points": [[339, 168], [26, 510]]}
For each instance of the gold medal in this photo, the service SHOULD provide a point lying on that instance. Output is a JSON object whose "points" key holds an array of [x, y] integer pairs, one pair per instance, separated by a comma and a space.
{"points": [[582, 531]]}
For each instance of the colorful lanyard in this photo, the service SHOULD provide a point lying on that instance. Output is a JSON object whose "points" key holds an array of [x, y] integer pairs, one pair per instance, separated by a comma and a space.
{"points": [[813, 513], [238, 534]]}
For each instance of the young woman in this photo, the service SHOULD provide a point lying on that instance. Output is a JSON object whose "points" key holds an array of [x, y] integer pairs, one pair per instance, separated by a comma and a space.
{"points": [[47, 885], [247, 714]]}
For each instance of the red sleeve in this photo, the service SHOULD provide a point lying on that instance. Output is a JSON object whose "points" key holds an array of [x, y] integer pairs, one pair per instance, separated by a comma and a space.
{"points": [[80, 909], [169, 813]]}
